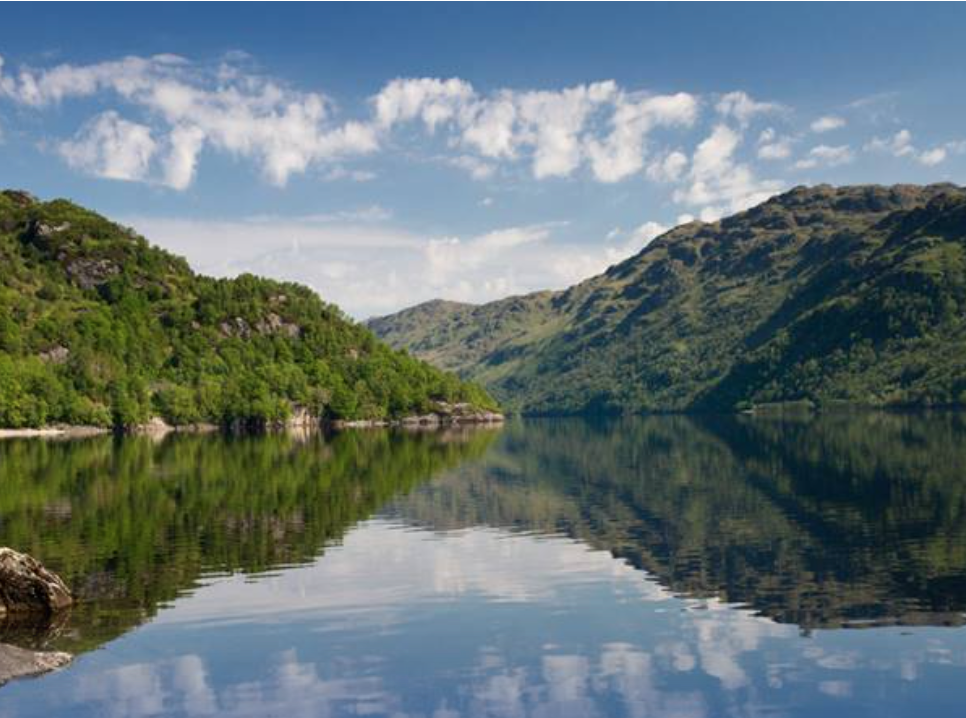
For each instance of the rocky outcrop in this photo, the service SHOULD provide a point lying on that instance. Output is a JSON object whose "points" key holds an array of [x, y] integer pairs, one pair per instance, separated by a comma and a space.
{"points": [[301, 418], [91, 272], [55, 355], [443, 414], [22, 662], [26, 587]]}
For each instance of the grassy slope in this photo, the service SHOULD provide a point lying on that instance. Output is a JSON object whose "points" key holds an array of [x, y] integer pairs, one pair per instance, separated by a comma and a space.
{"points": [[854, 294]]}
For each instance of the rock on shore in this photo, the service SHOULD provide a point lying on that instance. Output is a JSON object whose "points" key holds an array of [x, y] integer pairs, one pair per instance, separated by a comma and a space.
{"points": [[443, 414], [27, 587], [29, 592]]}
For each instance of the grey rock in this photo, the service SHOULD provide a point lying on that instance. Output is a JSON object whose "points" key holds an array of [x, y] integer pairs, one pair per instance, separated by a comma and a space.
{"points": [[27, 587], [21, 662]]}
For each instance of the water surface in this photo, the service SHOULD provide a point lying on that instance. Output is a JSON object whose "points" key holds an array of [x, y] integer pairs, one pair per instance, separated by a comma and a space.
{"points": [[662, 566]]}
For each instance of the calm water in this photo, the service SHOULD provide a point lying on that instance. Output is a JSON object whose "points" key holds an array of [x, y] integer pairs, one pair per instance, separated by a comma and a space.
{"points": [[647, 567]]}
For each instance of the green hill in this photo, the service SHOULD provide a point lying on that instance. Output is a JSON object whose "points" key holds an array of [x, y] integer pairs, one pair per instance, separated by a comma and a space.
{"points": [[853, 294], [99, 327]]}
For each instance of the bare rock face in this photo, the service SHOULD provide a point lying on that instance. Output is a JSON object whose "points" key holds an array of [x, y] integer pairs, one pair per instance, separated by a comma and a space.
{"points": [[27, 587], [21, 662]]}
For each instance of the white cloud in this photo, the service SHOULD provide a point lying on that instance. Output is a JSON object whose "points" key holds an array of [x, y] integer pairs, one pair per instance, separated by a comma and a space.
{"points": [[827, 124], [552, 123], [599, 123], [780, 150], [669, 168], [182, 159], [190, 107], [933, 157], [338, 172], [429, 99], [621, 154], [898, 145], [773, 147], [826, 156], [110, 147], [489, 126], [718, 183], [743, 108], [474, 166], [901, 145], [284, 131]]}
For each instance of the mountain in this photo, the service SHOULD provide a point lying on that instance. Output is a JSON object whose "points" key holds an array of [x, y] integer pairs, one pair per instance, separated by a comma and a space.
{"points": [[821, 294], [99, 327]]}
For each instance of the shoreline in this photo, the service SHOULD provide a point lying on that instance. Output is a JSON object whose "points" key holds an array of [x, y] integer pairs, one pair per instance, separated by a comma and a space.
{"points": [[157, 427], [58, 431]]}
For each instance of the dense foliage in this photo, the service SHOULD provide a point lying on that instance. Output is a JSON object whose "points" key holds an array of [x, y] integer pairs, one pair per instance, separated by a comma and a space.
{"points": [[821, 295], [99, 327]]}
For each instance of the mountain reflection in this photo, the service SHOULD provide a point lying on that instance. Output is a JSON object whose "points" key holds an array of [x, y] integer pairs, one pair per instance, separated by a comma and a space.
{"points": [[132, 523], [834, 520], [819, 522]]}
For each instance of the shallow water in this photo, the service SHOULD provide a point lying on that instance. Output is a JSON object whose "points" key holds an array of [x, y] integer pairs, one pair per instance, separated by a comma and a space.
{"points": [[663, 566]]}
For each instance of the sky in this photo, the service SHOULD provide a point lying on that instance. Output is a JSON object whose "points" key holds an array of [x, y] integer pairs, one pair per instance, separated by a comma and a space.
{"points": [[387, 154]]}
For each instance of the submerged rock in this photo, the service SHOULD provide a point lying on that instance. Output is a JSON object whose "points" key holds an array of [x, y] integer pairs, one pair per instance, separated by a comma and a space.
{"points": [[22, 662], [27, 587]]}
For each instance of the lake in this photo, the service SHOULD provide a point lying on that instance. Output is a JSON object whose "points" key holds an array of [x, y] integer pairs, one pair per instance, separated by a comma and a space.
{"points": [[660, 566]]}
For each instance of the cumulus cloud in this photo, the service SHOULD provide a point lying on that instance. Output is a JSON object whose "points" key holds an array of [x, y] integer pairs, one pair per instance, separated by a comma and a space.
{"points": [[826, 156], [669, 168], [186, 108], [111, 147], [189, 108], [933, 157], [773, 147], [476, 168], [742, 107], [897, 145], [170, 111], [901, 145], [598, 124], [551, 123], [827, 124], [621, 154], [182, 159], [430, 99], [718, 183]]}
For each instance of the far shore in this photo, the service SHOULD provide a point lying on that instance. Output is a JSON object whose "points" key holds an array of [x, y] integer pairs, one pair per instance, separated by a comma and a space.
{"points": [[157, 427]]}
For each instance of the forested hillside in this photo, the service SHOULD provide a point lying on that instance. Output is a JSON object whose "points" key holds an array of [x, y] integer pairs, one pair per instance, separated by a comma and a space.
{"points": [[820, 295], [99, 327]]}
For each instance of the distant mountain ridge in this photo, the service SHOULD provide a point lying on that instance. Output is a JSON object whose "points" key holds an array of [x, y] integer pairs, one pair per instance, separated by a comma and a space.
{"points": [[822, 294], [98, 327]]}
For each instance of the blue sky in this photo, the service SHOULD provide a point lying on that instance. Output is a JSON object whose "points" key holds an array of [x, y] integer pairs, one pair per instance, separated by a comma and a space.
{"points": [[388, 154]]}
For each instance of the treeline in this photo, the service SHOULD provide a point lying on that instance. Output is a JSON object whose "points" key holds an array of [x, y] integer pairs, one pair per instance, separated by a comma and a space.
{"points": [[98, 327]]}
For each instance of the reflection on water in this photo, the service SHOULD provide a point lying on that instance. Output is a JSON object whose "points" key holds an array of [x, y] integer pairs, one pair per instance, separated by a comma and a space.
{"points": [[829, 521], [658, 566]]}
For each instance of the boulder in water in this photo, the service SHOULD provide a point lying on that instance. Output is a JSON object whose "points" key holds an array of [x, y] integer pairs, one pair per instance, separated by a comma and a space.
{"points": [[27, 587]]}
